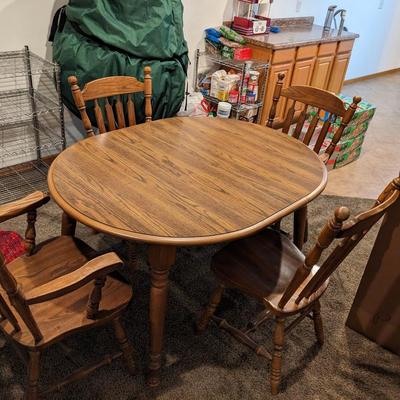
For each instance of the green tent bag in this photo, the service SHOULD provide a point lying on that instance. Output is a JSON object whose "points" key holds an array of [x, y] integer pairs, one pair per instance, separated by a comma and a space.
{"points": [[117, 37]]}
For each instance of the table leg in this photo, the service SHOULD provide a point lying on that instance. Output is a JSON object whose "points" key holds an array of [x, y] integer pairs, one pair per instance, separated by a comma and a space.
{"points": [[161, 259], [300, 226], [68, 225]]}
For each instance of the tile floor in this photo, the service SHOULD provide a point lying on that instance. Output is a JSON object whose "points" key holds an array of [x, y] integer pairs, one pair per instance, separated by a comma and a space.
{"points": [[380, 159]]}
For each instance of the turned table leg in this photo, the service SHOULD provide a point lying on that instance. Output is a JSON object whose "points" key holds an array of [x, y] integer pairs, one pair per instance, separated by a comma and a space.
{"points": [[161, 259], [68, 225]]}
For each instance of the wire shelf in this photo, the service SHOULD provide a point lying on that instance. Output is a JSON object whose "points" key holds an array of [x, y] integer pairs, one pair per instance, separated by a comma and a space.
{"points": [[16, 107], [235, 64], [19, 181], [31, 121], [13, 64], [235, 107]]}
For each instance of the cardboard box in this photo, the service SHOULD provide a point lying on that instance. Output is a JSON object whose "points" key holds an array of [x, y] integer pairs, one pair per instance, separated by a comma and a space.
{"points": [[349, 147]]}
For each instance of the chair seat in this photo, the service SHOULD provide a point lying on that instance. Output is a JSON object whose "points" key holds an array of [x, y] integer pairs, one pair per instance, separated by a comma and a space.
{"points": [[63, 315], [262, 266]]}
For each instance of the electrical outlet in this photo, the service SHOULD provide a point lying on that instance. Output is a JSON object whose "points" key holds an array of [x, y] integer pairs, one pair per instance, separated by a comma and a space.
{"points": [[299, 4], [381, 4]]}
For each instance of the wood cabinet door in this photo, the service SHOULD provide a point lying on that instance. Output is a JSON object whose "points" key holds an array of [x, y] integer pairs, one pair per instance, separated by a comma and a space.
{"points": [[322, 71], [275, 70], [339, 72]]}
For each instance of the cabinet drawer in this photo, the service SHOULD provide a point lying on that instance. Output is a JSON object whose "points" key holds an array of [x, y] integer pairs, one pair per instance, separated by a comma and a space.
{"points": [[307, 52], [326, 49], [285, 55], [345, 46]]}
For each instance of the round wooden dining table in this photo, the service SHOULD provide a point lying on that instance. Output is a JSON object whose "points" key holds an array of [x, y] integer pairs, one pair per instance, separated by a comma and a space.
{"points": [[183, 182]]}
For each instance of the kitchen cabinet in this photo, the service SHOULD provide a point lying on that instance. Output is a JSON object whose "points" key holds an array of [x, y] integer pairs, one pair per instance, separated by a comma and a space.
{"points": [[320, 61]]}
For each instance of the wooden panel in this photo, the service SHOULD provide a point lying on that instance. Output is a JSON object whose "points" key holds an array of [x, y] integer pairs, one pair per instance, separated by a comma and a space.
{"points": [[283, 56], [302, 75], [307, 52], [375, 312], [322, 71], [220, 195], [345, 46], [327, 49], [339, 72], [275, 70]]}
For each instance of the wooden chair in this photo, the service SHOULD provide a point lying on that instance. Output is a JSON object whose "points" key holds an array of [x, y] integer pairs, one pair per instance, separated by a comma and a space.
{"points": [[102, 91], [301, 98], [270, 268], [61, 286]]}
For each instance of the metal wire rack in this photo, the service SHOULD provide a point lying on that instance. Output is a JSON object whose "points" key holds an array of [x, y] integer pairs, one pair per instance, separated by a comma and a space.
{"points": [[239, 65], [31, 122]]}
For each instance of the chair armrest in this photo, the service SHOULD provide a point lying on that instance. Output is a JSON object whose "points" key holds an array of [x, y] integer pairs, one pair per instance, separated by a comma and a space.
{"points": [[99, 266], [22, 206]]}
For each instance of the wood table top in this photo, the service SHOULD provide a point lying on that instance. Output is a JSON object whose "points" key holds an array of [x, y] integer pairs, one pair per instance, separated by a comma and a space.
{"points": [[185, 181]]}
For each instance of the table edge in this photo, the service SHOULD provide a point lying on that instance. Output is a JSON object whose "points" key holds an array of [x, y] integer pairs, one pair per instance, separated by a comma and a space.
{"points": [[182, 241]]}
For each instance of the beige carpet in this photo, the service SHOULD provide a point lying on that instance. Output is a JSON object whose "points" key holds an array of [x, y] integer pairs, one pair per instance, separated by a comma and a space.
{"points": [[214, 366]]}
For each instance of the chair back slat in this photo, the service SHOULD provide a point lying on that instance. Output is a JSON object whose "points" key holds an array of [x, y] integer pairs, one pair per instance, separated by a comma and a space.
{"points": [[110, 115], [325, 238], [120, 113], [111, 89], [322, 135], [10, 286], [99, 117], [339, 227], [311, 129], [300, 123], [311, 97], [131, 111], [348, 116], [289, 118]]}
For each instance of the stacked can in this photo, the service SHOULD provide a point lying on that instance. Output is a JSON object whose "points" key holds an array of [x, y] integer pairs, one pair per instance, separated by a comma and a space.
{"points": [[252, 87]]}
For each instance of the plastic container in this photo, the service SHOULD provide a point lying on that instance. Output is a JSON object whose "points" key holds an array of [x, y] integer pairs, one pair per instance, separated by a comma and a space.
{"points": [[250, 97], [233, 96], [223, 90], [224, 109]]}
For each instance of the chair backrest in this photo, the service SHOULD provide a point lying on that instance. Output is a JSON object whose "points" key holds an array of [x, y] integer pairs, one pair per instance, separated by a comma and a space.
{"points": [[319, 99], [351, 232], [108, 105]]}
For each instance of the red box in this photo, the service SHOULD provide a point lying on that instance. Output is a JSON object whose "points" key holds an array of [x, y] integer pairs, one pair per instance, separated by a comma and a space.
{"points": [[243, 53]]}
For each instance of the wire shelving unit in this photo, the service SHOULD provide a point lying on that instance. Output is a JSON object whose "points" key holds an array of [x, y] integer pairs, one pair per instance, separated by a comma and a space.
{"points": [[31, 122]]}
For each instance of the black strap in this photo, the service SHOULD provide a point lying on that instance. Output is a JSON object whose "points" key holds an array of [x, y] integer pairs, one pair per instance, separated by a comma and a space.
{"points": [[57, 23]]}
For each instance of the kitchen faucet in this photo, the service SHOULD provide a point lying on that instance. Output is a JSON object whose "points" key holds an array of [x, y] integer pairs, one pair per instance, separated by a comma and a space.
{"points": [[342, 13], [329, 18]]}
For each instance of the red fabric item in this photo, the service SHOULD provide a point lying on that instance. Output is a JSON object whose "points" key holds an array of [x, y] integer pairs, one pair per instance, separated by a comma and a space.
{"points": [[12, 245]]}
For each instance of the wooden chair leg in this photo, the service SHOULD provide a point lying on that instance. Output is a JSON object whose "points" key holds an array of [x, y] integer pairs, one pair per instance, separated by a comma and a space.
{"points": [[125, 346], [318, 327], [32, 391], [209, 311], [276, 364]]}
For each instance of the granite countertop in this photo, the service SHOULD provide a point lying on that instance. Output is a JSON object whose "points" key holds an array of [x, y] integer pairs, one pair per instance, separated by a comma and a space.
{"points": [[298, 35]]}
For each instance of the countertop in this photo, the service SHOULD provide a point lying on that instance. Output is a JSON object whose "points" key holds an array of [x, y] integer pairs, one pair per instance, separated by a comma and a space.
{"points": [[298, 35]]}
